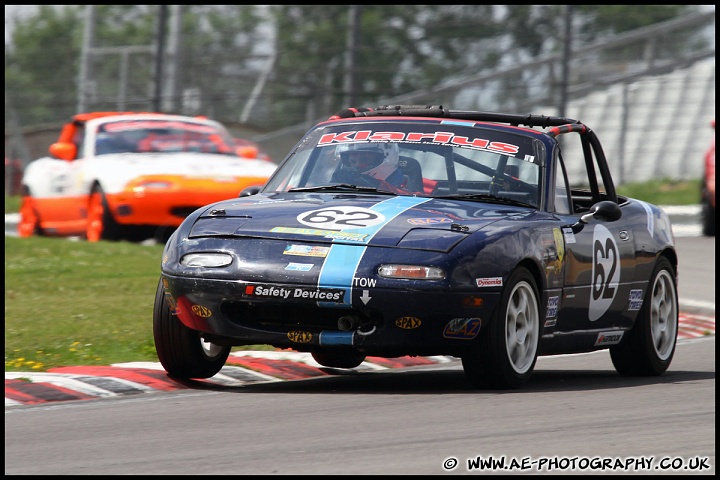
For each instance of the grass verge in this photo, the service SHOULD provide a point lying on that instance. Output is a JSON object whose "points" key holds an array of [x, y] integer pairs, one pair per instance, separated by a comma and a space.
{"points": [[78, 303]]}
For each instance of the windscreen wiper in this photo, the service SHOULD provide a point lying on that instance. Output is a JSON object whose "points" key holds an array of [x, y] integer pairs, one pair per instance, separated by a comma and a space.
{"points": [[486, 197], [341, 187]]}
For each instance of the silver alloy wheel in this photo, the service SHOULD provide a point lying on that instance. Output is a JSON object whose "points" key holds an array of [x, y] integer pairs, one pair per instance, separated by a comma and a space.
{"points": [[522, 327], [663, 314], [210, 349]]}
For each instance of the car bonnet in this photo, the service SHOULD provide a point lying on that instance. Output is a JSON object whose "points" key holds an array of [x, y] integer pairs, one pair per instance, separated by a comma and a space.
{"points": [[373, 220]]}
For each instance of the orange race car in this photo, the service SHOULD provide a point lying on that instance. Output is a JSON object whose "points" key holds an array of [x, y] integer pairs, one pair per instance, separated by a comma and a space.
{"points": [[126, 175]]}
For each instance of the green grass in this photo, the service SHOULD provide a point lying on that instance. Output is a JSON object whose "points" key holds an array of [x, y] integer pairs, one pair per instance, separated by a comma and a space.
{"points": [[79, 303], [664, 192]]}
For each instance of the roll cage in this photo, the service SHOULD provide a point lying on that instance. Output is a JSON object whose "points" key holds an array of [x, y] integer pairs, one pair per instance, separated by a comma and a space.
{"points": [[593, 154]]}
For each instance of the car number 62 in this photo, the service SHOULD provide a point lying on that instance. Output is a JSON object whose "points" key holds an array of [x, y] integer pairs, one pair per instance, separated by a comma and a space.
{"points": [[605, 272], [343, 218]]}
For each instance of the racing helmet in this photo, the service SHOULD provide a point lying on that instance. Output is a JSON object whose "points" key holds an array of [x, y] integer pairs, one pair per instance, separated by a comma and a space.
{"points": [[377, 160]]}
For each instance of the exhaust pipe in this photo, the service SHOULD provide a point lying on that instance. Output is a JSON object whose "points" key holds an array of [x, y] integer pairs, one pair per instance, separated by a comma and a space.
{"points": [[348, 323], [349, 327]]}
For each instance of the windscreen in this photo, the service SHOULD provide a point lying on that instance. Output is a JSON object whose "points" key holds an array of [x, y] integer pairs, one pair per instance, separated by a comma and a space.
{"points": [[433, 159], [143, 136]]}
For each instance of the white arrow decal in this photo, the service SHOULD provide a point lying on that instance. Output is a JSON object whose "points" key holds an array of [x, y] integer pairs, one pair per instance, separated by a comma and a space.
{"points": [[365, 296]]}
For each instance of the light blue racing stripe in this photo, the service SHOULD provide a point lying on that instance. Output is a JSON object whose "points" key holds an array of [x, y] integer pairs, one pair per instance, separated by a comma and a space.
{"points": [[342, 260], [464, 123]]}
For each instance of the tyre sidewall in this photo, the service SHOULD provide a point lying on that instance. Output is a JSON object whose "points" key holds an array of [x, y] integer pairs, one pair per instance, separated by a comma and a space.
{"points": [[179, 348]]}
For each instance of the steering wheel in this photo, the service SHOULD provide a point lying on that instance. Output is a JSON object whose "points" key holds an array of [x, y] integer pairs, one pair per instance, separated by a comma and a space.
{"points": [[352, 176]]}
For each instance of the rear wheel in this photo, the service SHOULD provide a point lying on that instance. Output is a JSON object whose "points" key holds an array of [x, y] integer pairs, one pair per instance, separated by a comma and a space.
{"points": [[506, 353], [101, 224], [648, 348], [181, 350], [339, 359], [29, 224]]}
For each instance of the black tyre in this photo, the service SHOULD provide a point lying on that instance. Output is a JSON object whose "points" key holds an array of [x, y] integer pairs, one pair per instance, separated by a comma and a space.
{"points": [[506, 353], [648, 348], [181, 350], [339, 358]]}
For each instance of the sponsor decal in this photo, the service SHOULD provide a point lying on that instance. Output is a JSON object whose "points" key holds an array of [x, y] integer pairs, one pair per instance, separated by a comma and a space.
{"points": [[335, 295], [608, 338], [440, 212], [299, 336], [341, 218], [429, 221], [306, 250], [442, 138], [636, 299], [355, 237], [130, 125], [201, 311], [489, 282], [552, 307], [299, 267], [408, 323], [462, 328], [569, 235]]}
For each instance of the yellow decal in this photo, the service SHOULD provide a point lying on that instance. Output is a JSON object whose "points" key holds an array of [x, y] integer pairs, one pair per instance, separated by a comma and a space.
{"points": [[201, 311], [559, 243], [560, 247], [299, 337], [408, 323]]}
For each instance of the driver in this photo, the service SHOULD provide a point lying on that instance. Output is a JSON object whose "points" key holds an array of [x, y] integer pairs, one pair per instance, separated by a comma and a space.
{"points": [[370, 164]]}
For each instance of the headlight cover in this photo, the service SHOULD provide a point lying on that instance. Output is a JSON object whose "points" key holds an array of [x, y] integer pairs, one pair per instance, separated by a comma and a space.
{"points": [[208, 260], [412, 272]]}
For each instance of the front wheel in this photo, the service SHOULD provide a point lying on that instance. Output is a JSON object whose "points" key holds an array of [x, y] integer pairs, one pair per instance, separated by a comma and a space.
{"points": [[648, 348], [507, 351], [181, 350]]}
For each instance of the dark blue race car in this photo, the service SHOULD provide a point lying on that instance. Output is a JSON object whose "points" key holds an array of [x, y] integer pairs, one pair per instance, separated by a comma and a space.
{"points": [[394, 231]]}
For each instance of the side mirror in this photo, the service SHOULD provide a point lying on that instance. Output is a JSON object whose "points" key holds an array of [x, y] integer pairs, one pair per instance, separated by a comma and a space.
{"points": [[63, 150], [605, 211], [247, 152], [248, 191]]}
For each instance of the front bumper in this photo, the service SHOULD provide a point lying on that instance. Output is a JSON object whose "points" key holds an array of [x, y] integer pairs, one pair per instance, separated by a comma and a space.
{"points": [[381, 322]]}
